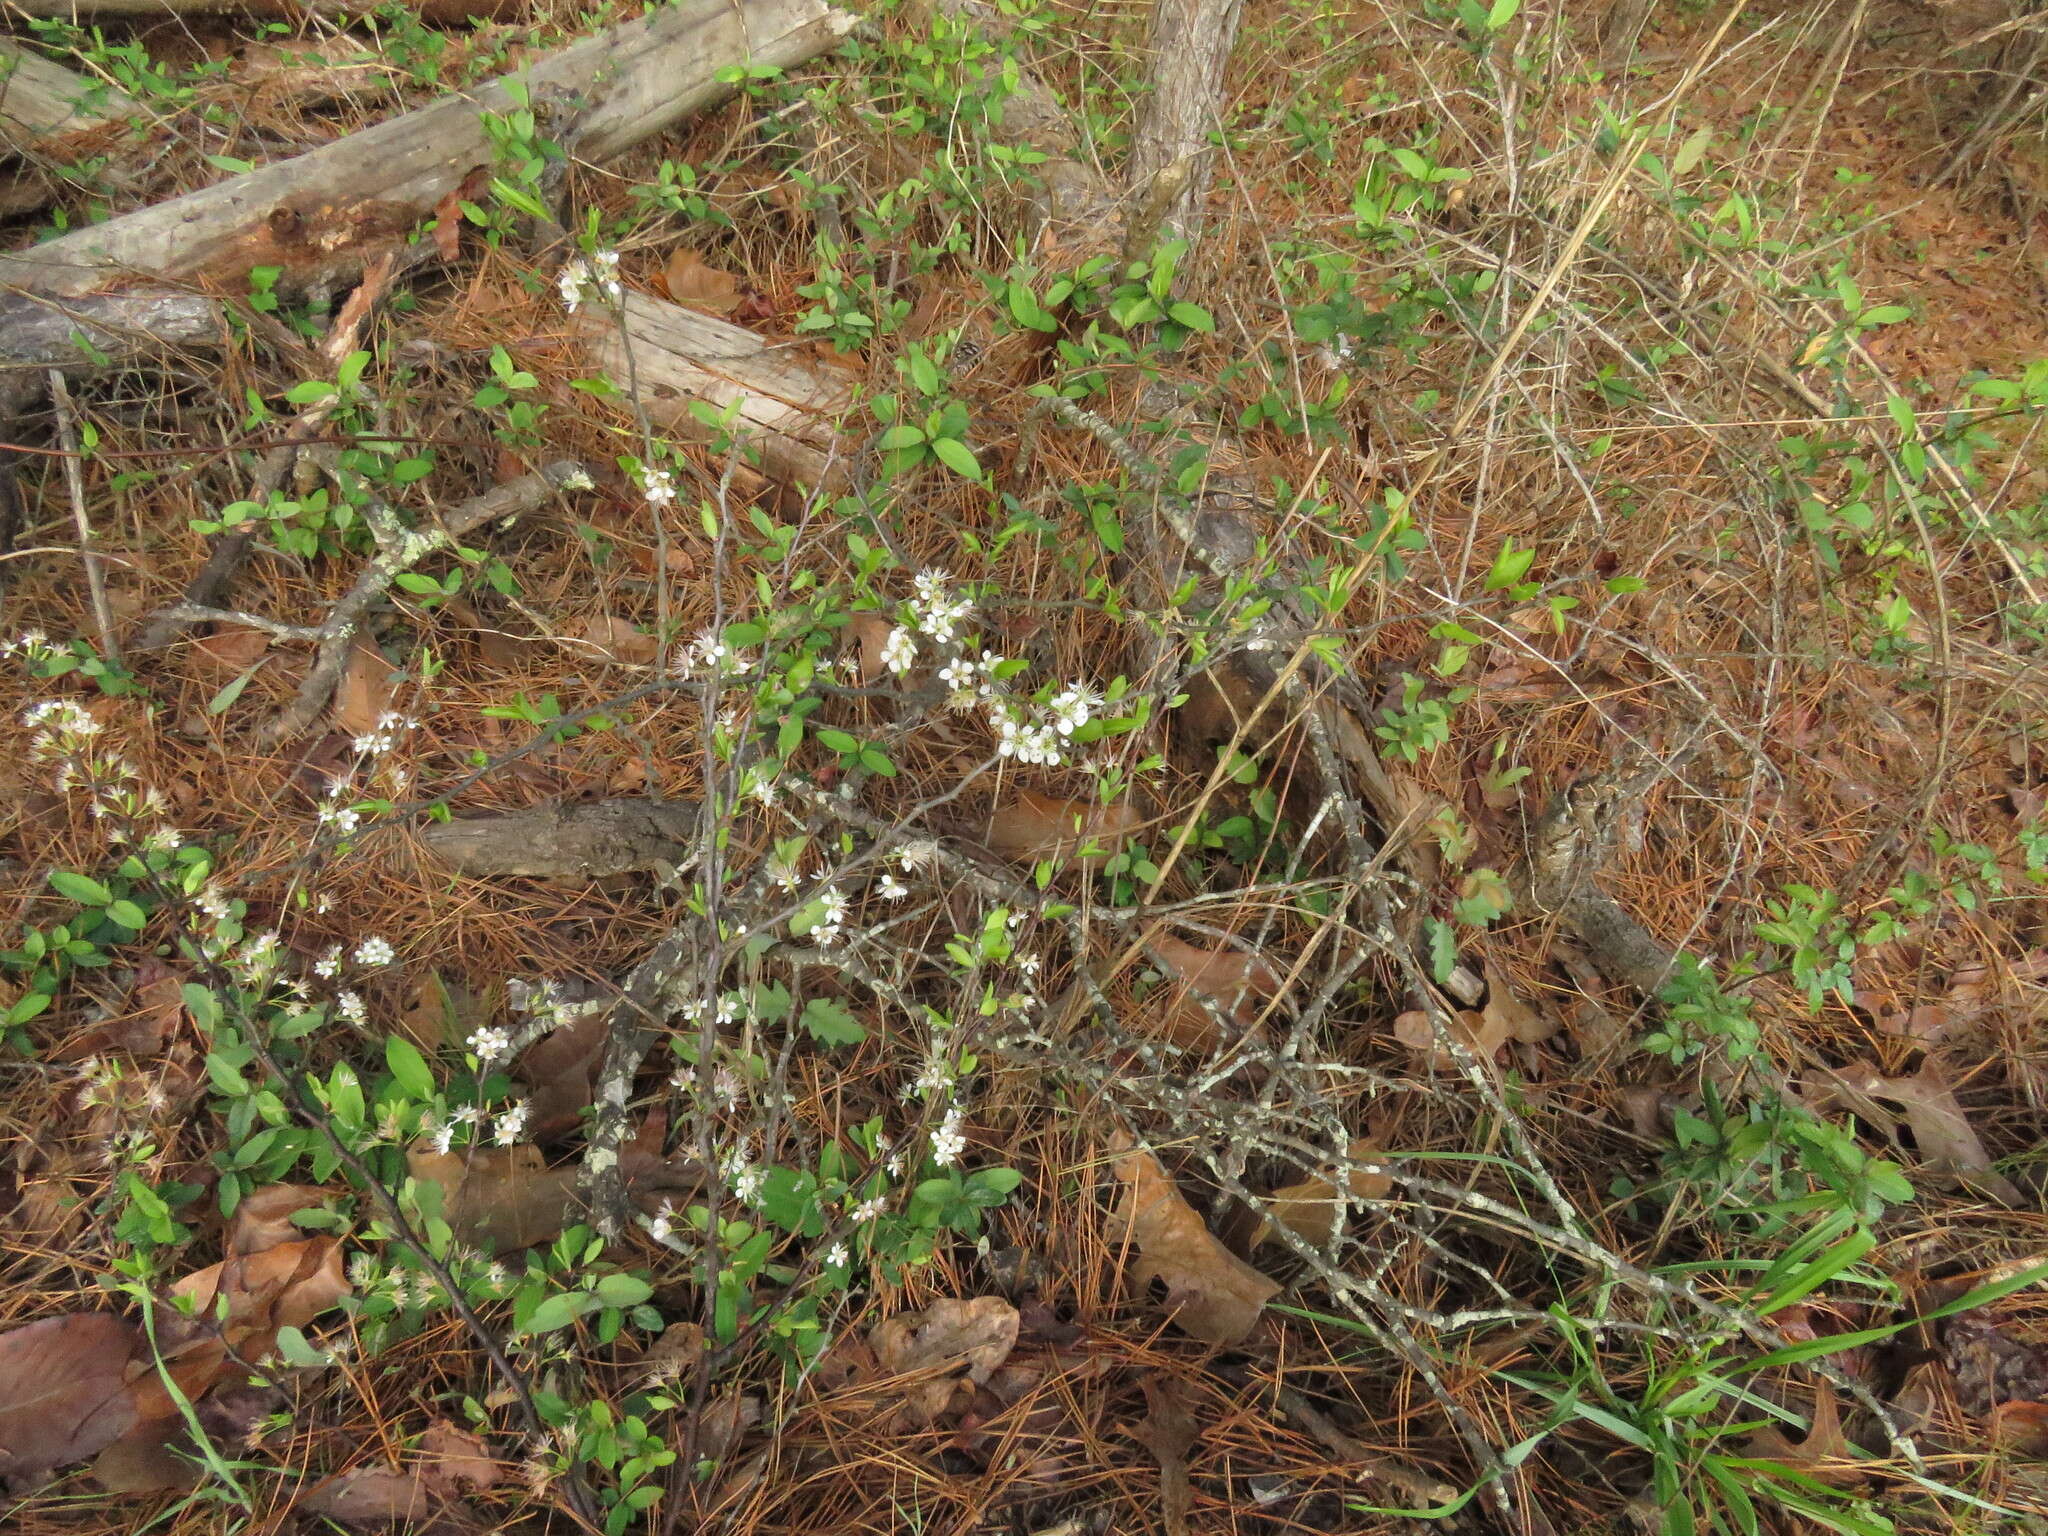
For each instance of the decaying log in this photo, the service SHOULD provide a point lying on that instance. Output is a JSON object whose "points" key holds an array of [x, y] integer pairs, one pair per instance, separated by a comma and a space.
{"points": [[571, 843], [319, 215], [439, 13], [64, 333], [41, 100], [789, 404]]}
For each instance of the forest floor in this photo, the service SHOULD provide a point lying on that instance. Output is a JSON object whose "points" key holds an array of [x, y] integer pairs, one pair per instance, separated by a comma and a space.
{"points": [[1384, 869]]}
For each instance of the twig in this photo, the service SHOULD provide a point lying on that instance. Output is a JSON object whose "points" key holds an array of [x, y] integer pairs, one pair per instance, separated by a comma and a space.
{"points": [[74, 482]]}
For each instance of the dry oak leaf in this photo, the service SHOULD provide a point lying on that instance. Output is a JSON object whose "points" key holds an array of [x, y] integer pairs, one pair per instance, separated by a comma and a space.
{"points": [[869, 633], [156, 1003], [1941, 1130], [1215, 1295], [1167, 1431], [1233, 981], [694, 283], [619, 640], [1309, 1209], [363, 696], [1483, 1034], [451, 1461], [63, 1391], [1505, 1012], [1824, 1445], [283, 1286], [508, 1198], [965, 1340], [231, 650], [1032, 827]]}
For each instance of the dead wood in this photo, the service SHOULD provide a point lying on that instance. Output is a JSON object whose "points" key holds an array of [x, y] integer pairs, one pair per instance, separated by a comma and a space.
{"points": [[572, 843], [439, 13], [319, 216], [41, 100], [789, 402]]}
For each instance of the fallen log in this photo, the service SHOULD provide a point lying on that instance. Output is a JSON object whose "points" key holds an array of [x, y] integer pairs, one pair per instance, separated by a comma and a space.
{"points": [[42, 100], [789, 403], [572, 843], [320, 215]]}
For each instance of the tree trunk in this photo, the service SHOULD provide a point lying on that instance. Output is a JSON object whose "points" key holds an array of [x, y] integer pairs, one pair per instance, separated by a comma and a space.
{"points": [[1190, 45]]}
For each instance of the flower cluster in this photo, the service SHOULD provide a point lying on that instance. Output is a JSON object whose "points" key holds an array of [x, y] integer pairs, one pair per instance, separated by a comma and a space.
{"points": [[659, 487], [832, 918], [390, 726], [1025, 742], [592, 276]]}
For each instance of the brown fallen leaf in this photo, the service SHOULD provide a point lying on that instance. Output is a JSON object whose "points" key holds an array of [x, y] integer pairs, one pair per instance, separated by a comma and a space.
{"points": [[231, 650], [1215, 1295], [1480, 1033], [1031, 827], [1309, 1209], [619, 640], [1824, 1446], [263, 1219], [363, 696], [1508, 1016], [285, 1285], [1234, 982], [1941, 1130], [692, 282], [507, 1198], [1167, 1432], [964, 1341], [674, 1354], [868, 633], [1989, 1368], [451, 1461], [63, 1391], [436, 1011], [560, 1070], [155, 1006]]}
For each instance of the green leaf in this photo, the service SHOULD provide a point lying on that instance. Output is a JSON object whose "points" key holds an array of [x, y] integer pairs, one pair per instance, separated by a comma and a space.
{"points": [[128, 914], [623, 1290], [409, 1067], [958, 457], [80, 888], [221, 701], [557, 1311], [1193, 316], [830, 1024], [900, 437]]}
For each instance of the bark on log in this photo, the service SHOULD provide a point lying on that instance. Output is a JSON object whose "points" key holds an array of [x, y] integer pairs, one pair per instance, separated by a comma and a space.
{"points": [[789, 405], [440, 13], [40, 100], [69, 333], [320, 214], [575, 843], [1190, 45]]}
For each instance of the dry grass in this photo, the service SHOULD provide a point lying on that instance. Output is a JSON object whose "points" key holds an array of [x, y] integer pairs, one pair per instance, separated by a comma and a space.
{"points": [[1819, 757]]}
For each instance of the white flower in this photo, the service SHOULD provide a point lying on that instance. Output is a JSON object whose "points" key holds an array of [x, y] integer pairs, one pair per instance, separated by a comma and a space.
{"points": [[375, 951], [469, 1114], [948, 1141], [341, 817], [746, 1187], [376, 743], [1028, 963], [931, 585], [709, 649], [899, 651], [726, 1085], [868, 1210], [922, 853], [1074, 707], [958, 674], [350, 1006], [661, 1226], [511, 1121], [659, 487], [444, 1136], [835, 1255], [834, 904], [597, 273], [889, 888], [489, 1044]]}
